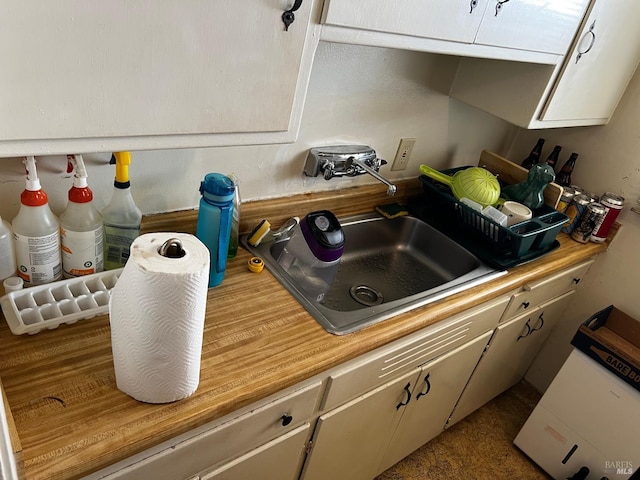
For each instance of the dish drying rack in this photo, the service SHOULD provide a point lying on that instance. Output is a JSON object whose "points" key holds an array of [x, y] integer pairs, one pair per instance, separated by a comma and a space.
{"points": [[45, 307], [500, 246]]}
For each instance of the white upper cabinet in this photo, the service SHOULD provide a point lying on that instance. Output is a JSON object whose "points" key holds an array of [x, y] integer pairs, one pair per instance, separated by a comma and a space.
{"points": [[455, 20], [539, 31], [582, 90], [601, 63], [98, 76], [540, 25]]}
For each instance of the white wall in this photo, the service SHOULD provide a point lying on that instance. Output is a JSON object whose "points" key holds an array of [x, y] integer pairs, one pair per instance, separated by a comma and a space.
{"points": [[357, 94], [609, 161]]}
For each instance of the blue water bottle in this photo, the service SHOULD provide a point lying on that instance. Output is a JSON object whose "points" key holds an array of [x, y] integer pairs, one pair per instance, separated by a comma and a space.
{"points": [[214, 222]]}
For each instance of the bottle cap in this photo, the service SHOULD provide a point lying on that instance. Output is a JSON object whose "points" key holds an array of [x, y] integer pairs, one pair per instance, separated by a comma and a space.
{"points": [[33, 198], [80, 194], [217, 188]]}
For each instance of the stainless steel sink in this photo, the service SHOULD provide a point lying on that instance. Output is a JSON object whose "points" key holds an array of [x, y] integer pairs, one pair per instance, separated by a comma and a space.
{"points": [[389, 266]]}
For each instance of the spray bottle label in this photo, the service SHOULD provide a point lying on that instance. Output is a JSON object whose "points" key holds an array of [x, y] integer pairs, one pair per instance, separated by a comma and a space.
{"points": [[82, 252], [117, 243], [38, 258]]}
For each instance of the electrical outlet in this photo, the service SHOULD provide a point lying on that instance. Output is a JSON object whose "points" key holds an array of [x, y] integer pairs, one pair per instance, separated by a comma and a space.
{"points": [[403, 154]]}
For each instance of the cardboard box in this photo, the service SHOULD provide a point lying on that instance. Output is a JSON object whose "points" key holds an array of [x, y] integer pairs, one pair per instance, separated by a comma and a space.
{"points": [[612, 339]]}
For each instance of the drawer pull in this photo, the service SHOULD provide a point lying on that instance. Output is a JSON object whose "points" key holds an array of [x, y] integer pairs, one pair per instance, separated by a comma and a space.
{"points": [[428, 383], [525, 305], [541, 323], [576, 280], [528, 331], [286, 419], [408, 391], [288, 17]]}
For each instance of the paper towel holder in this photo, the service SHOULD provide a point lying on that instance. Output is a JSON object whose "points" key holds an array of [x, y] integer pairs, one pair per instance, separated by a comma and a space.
{"points": [[172, 248]]}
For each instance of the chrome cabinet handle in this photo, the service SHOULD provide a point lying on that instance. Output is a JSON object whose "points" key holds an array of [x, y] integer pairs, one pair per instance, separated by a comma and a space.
{"points": [[428, 383], [288, 17], [591, 34], [408, 392], [499, 6]]}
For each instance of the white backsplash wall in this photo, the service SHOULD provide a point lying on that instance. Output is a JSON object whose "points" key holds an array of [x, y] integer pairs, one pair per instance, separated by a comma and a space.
{"points": [[609, 161], [356, 94]]}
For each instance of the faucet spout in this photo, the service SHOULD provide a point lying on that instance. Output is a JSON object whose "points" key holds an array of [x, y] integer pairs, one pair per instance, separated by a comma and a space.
{"points": [[391, 188]]}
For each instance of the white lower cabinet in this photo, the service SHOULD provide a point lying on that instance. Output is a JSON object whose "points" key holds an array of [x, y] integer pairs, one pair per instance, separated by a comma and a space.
{"points": [[279, 459], [350, 440], [508, 355], [272, 432], [439, 387], [364, 437]]}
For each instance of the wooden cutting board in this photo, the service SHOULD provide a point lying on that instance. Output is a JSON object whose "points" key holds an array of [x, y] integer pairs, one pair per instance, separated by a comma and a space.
{"points": [[511, 173]]}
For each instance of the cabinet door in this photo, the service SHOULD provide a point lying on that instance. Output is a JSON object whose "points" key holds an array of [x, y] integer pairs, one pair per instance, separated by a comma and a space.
{"points": [[508, 355], [349, 441], [455, 20], [531, 24], [107, 70], [600, 65], [440, 385], [279, 459]]}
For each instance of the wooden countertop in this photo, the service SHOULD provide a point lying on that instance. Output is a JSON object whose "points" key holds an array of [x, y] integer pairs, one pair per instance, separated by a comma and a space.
{"points": [[72, 420]]}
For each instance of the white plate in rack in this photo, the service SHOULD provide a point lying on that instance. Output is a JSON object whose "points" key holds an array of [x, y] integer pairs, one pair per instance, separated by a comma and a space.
{"points": [[47, 306]]}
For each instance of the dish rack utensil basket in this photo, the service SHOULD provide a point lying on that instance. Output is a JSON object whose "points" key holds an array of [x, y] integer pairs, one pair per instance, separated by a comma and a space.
{"points": [[517, 241]]}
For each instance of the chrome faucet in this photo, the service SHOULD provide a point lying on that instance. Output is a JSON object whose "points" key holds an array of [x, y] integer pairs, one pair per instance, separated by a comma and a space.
{"points": [[346, 160]]}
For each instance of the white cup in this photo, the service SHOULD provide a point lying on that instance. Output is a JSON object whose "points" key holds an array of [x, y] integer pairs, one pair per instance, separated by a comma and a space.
{"points": [[515, 212]]}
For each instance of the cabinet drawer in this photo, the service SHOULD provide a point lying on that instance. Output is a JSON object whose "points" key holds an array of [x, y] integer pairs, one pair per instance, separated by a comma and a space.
{"points": [[189, 456], [399, 357], [538, 292]]}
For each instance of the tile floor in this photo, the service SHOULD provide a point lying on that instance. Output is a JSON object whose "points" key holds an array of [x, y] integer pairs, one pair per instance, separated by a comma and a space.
{"points": [[479, 447]]}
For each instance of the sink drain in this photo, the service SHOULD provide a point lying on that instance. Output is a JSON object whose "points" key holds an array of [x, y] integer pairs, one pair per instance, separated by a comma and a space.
{"points": [[366, 295]]}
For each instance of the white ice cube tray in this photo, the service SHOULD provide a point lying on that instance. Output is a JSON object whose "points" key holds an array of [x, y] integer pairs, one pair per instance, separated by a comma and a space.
{"points": [[47, 306]]}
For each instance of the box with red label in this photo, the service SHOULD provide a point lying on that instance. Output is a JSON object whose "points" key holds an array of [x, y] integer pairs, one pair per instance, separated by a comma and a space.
{"points": [[612, 338]]}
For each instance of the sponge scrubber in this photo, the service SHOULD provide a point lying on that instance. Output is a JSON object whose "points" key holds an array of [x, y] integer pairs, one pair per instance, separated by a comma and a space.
{"points": [[258, 233], [392, 210]]}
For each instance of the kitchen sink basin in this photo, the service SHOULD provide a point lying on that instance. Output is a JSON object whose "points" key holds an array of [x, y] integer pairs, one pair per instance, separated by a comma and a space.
{"points": [[389, 266]]}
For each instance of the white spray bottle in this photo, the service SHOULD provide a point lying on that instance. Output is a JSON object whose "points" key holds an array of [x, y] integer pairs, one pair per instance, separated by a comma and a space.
{"points": [[121, 217], [81, 230], [36, 232]]}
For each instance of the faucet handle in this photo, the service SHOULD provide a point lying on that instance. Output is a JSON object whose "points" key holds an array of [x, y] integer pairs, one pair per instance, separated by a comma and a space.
{"points": [[328, 169]]}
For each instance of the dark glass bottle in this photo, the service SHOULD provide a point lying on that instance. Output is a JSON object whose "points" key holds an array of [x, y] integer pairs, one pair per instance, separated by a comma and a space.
{"points": [[552, 159], [564, 175], [534, 156]]}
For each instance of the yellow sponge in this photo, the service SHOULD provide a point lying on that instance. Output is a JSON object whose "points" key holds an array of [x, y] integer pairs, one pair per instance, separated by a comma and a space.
{"points": [[392, 210], [258, 233]]}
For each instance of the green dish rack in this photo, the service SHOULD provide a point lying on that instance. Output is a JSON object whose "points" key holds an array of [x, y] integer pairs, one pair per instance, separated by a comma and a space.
{"points": [[519, 241]]}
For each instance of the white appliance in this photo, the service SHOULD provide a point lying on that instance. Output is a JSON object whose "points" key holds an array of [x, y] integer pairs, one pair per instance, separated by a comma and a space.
{"points": [[587, 417]]}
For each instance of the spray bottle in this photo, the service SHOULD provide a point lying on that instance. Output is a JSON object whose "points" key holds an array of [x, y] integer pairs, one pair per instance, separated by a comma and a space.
{"points": [[121, 217], [7, 252], [36, 232], [81, 231]]}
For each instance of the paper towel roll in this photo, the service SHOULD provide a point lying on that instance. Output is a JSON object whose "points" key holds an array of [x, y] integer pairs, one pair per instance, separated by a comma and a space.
{"points": [[157, 311]]}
